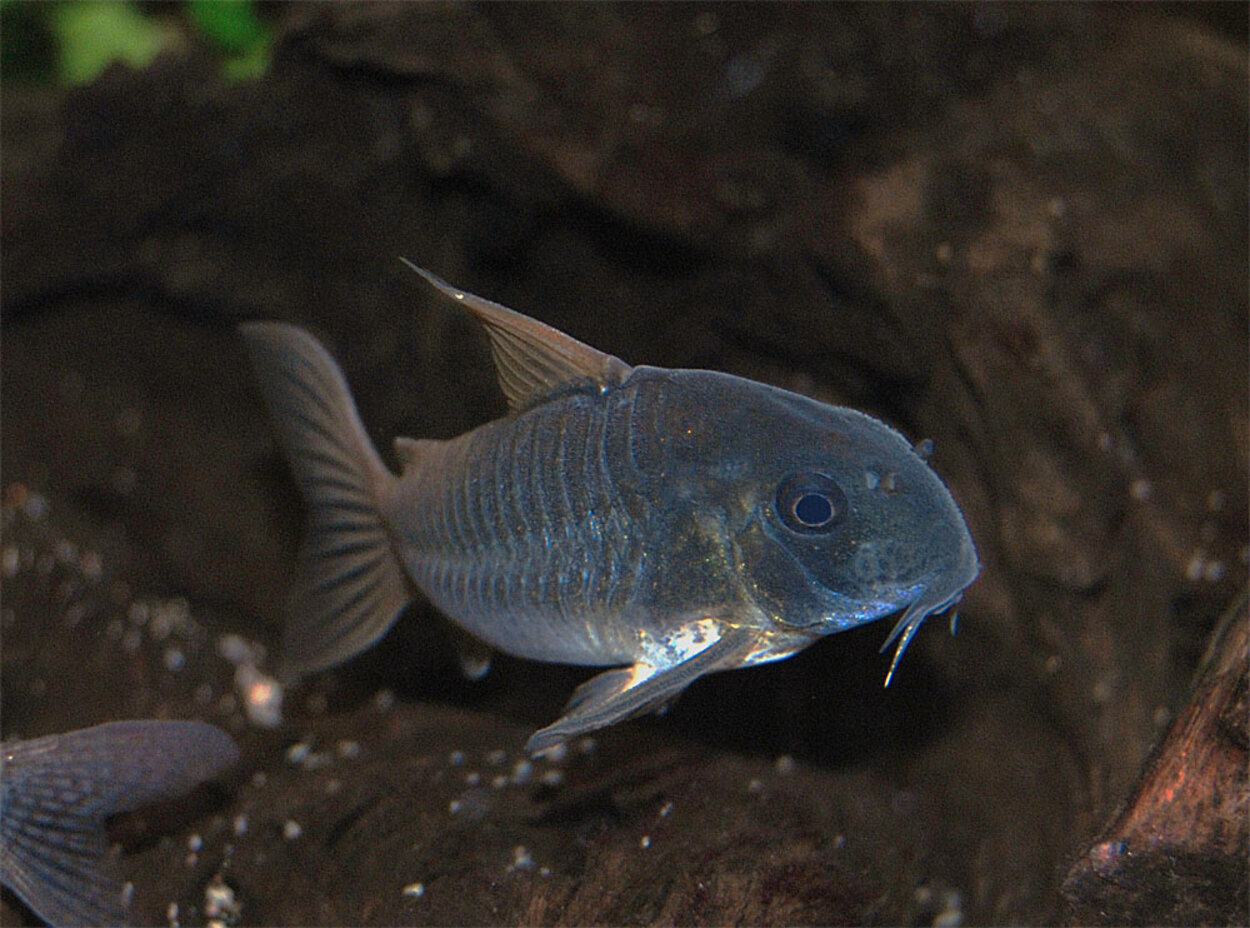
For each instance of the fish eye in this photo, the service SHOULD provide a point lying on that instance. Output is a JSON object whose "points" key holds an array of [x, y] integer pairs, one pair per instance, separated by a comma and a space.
{"points": [[810, 503]]}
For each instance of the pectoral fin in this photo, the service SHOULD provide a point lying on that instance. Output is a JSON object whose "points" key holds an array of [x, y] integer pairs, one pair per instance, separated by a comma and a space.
{"points": [[629, 691]]}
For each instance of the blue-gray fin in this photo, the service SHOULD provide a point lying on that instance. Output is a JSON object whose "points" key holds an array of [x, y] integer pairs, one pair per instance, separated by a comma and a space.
{"points": [[351, 586], [59, 790], [614, 696], [533, 360]]}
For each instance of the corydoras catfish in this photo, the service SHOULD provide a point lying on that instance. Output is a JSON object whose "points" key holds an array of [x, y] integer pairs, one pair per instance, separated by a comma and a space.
{"points": [[667, 523], [57, 791]]}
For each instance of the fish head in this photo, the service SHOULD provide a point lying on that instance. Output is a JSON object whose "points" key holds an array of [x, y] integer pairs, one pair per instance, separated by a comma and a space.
{"points": [[833, 517]]}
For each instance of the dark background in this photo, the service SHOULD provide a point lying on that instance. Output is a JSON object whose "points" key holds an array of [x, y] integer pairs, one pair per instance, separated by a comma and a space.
{"points": [[1018, 230]]}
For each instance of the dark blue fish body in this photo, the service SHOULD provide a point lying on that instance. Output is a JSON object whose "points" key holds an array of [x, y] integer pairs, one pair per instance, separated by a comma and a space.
{"points": [[675, 522], [57, 791]]}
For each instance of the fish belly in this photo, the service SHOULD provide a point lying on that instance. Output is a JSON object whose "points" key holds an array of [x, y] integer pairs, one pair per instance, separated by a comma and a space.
{"points": [[520, 533]]}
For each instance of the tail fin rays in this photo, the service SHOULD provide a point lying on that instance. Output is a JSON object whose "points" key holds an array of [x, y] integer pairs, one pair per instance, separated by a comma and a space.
{"points": [[351, 586]]}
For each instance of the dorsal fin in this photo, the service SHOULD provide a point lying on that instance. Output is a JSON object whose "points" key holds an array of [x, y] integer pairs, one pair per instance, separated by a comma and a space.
{"points": [[532, 359]]}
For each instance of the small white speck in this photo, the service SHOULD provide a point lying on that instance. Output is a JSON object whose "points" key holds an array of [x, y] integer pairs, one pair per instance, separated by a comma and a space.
{"points": [[240, 825], [174, 659], [219, 900], [348, 749], [456, 758], [454, 806], [952, 914], [35, 507], [1140, 489], [755, 786], [587, 745], [291, 829], [499, 781], [414, 890], [128, 893], [171, 914], [496, 757], [785, 765], [472, 778], [521, 859], [1213, 572], [666, 810], [262, 696], [11, 561], [234, 648], [298, 752], [544, 872], [1195, 567], [521, 772], [839, 842], [194, 843], [556, 754], [644, 842], [551, 777]]}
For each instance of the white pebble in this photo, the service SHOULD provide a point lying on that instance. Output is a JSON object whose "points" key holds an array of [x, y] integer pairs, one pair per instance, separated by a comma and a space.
{"points": [[291, 829], [414, 890], [551, 777], [298, 752]]}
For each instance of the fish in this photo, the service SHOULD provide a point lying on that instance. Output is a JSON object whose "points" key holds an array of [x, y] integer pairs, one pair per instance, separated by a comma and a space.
{"points": [[664, 523], [56, 793]]}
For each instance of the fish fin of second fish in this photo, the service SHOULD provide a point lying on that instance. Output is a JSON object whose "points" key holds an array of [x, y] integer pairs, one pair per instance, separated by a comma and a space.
{"points": [[351, 587], [58, 791], [532, 359], [626, 692]]}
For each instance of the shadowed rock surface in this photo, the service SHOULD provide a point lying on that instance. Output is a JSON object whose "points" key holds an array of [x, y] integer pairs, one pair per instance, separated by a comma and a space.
{"points": [[1017, 230]]}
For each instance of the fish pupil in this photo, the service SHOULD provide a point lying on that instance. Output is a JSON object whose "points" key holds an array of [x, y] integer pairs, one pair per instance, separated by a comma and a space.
{"points": [[810, 503], [813, 509]]}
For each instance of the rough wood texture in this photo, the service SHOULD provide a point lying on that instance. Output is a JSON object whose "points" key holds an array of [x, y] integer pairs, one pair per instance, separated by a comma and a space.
{"points": [[1176, 853]]}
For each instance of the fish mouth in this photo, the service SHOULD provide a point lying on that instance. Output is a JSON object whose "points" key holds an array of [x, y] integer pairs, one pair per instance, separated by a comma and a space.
{"points": [[932, 600]]}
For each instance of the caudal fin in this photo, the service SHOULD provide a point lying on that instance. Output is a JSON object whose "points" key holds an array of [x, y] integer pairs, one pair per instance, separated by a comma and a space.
{"points": [[351, 586], [59, 790]]}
